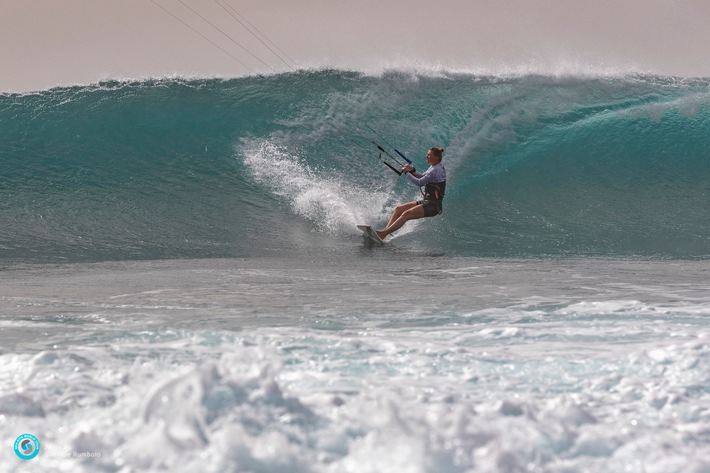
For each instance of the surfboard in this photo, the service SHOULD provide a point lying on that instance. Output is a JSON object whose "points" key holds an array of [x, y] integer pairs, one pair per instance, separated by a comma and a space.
{"points": [[368, 231]]}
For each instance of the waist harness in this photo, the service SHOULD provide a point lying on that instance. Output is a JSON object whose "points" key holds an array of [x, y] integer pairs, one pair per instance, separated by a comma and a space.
{"points": [[434, 191]]}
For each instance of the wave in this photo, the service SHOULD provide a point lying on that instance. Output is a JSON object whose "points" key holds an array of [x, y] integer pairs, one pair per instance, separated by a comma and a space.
{"points": [[174, 168]]}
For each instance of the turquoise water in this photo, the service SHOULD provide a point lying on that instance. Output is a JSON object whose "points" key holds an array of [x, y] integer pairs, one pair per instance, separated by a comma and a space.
{"points": [[182, 286], [179, 169]]}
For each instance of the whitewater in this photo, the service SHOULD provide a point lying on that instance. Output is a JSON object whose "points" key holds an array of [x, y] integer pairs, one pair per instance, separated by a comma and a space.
{"points": [[182, 286]]}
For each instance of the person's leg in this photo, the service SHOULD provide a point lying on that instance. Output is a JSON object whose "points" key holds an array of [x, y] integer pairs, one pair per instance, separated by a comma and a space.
{"points": [[412, 212], [399, 210]]}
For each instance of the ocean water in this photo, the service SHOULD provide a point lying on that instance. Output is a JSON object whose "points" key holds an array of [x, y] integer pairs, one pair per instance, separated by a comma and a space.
{"points": [[182, 286]]}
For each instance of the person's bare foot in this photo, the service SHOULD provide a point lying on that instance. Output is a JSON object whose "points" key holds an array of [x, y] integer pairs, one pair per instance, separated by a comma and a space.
{"points": [[381, 234]]}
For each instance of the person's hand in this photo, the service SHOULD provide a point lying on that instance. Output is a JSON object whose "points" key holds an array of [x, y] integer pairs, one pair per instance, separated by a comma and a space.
{"points": [[408, 168]]}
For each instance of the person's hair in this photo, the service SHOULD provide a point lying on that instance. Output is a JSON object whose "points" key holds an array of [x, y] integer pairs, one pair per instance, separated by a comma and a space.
{"points": [[437, 153]]}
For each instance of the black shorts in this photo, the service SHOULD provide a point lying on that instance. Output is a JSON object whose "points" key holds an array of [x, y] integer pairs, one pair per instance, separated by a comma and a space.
{"points": [[432, 208]]}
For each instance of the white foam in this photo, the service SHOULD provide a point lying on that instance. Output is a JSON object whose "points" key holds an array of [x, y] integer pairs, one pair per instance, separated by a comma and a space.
{"points": [[332, 203], [353, 378]]}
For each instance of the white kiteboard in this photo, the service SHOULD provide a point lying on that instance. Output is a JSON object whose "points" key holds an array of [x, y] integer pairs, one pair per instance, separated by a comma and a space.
{"points": [[369, 232]]}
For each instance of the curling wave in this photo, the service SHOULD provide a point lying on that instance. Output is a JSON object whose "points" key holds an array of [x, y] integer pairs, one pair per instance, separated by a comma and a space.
{"points": [[610, 166]]}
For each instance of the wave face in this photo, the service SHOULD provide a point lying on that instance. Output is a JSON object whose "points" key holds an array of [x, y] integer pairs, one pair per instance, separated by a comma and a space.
{"points": [[537, 166]]}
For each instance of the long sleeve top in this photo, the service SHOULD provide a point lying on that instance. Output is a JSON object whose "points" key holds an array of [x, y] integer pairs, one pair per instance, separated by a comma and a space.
{"points": [[435, 174]]}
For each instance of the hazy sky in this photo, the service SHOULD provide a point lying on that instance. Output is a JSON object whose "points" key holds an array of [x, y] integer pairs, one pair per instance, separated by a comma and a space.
{"points": [[61, 42]]}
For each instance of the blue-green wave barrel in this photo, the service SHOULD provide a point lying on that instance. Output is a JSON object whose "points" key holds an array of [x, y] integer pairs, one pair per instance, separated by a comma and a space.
{"points": [[537, 166]]}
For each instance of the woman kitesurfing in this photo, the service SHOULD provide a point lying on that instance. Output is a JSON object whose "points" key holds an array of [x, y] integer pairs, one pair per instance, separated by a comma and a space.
{"points": [[434, 183]]}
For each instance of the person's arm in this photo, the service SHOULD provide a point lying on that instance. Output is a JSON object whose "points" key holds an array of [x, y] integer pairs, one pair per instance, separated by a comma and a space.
{"points": [[419, 179]]}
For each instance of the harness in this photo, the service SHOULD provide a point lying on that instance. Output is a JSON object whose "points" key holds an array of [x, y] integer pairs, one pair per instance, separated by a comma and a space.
{"points": [[434, 191]]}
